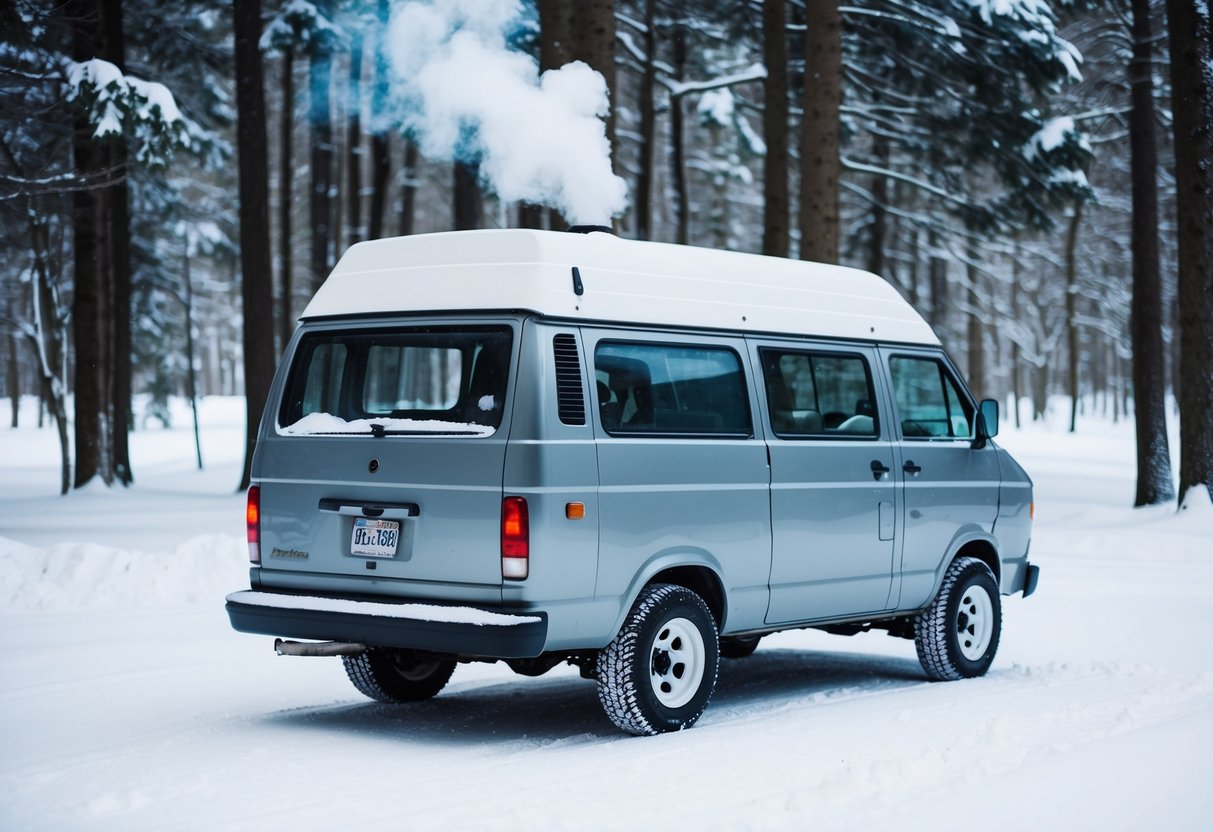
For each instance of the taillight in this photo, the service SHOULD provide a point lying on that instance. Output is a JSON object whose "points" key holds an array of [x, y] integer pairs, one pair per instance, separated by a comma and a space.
{"points": [[252, 516], [515, 538]]}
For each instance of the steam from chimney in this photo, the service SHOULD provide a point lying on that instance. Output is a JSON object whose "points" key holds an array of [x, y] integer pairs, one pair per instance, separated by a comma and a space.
{"points": [[467, 96]]}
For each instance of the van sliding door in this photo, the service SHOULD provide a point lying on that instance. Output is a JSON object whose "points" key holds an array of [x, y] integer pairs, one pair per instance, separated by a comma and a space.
{"points": [[833, 495], [683, 476]]}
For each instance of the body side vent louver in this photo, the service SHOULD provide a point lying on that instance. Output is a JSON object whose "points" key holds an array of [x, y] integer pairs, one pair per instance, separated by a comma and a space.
{"points": [[569, 396]]}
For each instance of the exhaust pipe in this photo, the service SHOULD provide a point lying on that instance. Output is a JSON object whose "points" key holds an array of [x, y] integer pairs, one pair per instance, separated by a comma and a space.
{"points": [[317, 648]]}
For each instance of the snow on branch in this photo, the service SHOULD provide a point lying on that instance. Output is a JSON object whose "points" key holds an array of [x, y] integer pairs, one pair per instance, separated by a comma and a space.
{"points": [[860, 167], [299, 24], [677, 89], [115, 101]]}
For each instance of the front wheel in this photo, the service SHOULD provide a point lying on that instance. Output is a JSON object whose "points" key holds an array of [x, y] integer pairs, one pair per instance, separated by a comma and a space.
{"points": [[396, 676], [659, 672], [957, 636]]}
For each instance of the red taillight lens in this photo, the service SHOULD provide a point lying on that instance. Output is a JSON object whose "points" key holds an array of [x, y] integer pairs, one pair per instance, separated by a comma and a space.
{"points": [[252, 516], [515, 538]]}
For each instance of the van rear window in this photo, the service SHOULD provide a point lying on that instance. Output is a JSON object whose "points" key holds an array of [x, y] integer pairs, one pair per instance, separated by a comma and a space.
{"points": [[430, 380]]}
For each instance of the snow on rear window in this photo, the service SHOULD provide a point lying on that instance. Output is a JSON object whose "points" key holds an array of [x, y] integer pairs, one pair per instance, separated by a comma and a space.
{"points": [[315, 424]]}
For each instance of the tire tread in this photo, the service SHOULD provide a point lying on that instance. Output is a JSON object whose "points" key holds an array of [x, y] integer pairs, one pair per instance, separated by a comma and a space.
{"points": [[931, 627], [617, 689]]}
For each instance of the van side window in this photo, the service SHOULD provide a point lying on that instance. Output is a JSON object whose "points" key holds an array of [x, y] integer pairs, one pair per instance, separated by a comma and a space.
{"points": [[819, 394], [671, 389], [929, 403]]}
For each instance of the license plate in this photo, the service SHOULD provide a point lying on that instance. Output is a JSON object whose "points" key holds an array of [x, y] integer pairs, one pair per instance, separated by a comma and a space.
{"points": [[377, 538]]}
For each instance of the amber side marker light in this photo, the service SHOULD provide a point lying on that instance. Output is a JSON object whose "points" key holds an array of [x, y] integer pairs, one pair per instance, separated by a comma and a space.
{"points": [[1032, 511], [574, 511]]}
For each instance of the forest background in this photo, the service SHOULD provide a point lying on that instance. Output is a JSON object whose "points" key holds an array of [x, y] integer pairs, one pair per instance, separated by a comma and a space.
{"points": [[176, 179]]}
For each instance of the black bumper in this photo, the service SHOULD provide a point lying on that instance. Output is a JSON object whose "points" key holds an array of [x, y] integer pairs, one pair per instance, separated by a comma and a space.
{"points": [[411, 625]]}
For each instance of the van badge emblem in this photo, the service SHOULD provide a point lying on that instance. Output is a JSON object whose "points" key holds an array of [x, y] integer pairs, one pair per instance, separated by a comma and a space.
{"points": [[291, 554], [373, 466]]}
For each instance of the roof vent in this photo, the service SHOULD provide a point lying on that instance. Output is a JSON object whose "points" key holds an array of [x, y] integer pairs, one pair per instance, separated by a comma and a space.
{"points": [[570, 400], [589, 229]]}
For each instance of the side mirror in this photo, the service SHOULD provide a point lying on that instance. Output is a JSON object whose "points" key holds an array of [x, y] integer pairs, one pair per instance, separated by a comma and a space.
{"points": [[987, 422]]}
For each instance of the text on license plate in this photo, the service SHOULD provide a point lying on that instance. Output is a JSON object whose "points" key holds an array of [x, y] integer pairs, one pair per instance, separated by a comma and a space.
{"points": [[377, 538]]}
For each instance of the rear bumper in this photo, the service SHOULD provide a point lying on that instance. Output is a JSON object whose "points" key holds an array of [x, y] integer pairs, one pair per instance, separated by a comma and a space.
{"points": [[464, 631]]}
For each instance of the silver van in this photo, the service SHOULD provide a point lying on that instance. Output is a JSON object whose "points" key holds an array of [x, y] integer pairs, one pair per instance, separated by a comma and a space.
{"points": [[545, 447]]}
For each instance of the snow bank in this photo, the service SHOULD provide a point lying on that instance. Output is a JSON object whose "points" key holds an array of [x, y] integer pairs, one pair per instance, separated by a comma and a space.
{"points": [[75, 576]]}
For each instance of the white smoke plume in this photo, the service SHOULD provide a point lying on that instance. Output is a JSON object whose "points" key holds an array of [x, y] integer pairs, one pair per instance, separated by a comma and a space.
{"points": [[467, 95]]}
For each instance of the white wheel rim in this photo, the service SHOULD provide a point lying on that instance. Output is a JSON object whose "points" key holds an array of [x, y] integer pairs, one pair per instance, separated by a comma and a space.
{"points": [[677, 662], [974, 622]]}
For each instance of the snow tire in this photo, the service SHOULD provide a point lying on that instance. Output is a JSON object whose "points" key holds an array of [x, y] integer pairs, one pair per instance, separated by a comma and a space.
{"points": [[738, 647], [659, 672], [396, 676], [957, 636]]}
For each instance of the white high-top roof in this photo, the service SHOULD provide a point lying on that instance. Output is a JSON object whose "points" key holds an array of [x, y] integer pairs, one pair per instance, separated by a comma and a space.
{"points": [[626, 281]]}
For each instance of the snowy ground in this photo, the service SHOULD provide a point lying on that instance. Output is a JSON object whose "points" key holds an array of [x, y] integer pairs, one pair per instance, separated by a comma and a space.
{"points": [[127, 703]]}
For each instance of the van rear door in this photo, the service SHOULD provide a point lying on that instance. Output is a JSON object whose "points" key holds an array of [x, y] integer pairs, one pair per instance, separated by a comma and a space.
{"points": [[384, 455]]}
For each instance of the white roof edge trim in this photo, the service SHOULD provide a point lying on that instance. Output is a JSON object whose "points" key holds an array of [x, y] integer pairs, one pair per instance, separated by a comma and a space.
{"points": [[625, 282]]}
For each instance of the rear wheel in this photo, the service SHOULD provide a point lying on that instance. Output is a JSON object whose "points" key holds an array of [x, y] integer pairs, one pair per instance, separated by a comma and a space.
{"points": [[395, 676], [957, 636], [659, 672]]}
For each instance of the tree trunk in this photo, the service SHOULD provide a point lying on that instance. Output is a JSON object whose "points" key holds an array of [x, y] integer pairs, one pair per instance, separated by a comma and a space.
{"points": [[286, 173], [1154, 482], [915, 289], [191, 381], [678, 167], [530, 215], [1191, 39], [408, 189], [468, 201], [555, 50], [976, 338], [380, 145], [1016, 359], [13, 379], [643, 202], [880, 201], [48, 342], [775, 210], [117, 197], [1040, 393], [938, 278], [353, 144], [256, 290], [320, 117], [1072, 311], [592, 31], [820, 160], [90, 372]]}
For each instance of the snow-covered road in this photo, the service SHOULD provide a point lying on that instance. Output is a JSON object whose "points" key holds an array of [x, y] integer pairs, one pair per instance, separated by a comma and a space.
{"points": [[127, 703]]}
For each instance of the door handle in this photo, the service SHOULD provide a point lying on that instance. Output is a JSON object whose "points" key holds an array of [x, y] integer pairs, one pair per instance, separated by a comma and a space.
{"points": [[911, 469], [879, 469]]}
